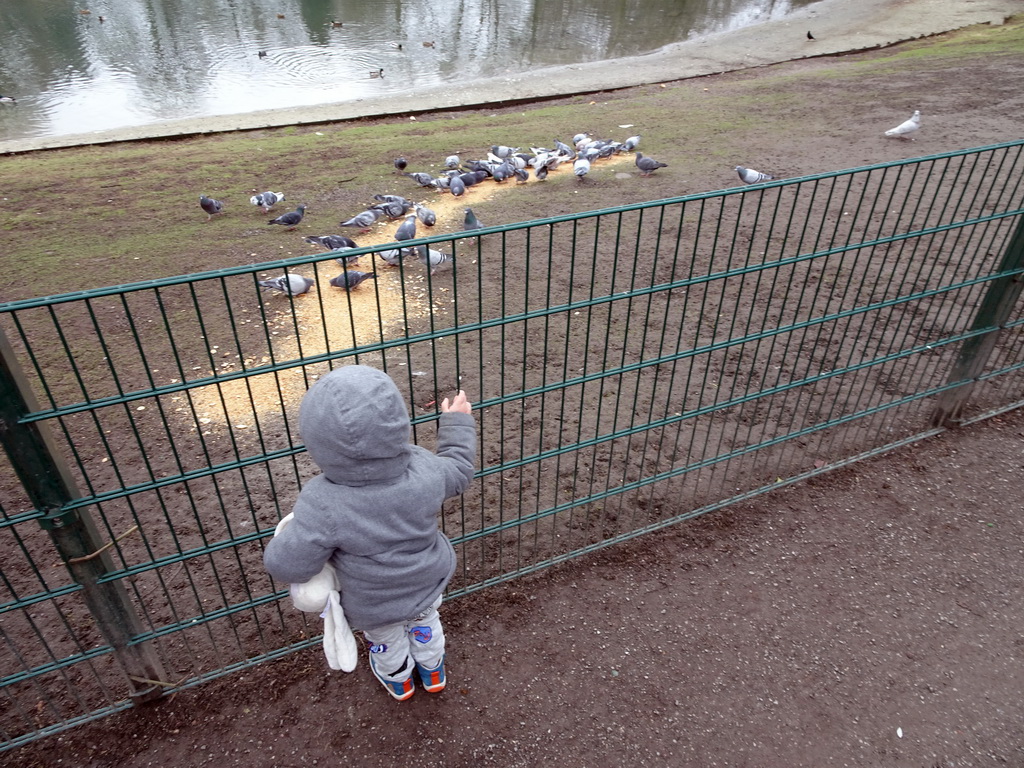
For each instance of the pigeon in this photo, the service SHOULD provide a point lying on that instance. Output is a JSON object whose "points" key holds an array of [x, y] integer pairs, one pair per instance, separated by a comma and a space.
{"points": [[648, 165], [427, 216], [750, 176], [293, 284], [364, 220], [473, 177], [582, 167], [407, 229], [501, 172], [351, 278], [630, 144], [392, 257], [393, 209], [457, 186], [452, 161], [541, 172], [400, 164], [471, 222], [423, 179], [394, 199], [564, 149], [211, 206], [809, 35], [267, 200], [431, 259], [501, 151], [907, 126], [8, 100], [332, 242], [291, 219], [522, 175]]}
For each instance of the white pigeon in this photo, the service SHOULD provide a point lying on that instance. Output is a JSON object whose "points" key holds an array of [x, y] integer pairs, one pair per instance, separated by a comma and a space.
{"points": [[292, 284], [907, 126], [431, 259], [266, 200], [750, 176]]}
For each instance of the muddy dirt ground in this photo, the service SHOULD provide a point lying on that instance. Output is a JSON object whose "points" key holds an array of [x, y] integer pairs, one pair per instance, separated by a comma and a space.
{"points": [[871, 617]]}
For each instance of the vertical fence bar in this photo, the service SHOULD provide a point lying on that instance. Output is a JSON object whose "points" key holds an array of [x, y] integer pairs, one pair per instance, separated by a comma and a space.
{"points": [[994, 311], [49, 486]]}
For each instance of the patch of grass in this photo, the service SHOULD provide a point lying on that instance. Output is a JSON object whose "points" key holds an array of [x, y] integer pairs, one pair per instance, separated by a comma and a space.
{"points": [[93, 216]]}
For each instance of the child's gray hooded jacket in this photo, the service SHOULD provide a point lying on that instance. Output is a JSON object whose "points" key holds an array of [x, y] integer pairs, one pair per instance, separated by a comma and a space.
{"points": [[373, 510]]}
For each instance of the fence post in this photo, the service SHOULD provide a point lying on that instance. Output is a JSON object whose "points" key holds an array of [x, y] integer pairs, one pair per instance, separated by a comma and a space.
{"points": [[49, 486], [993, 312]]}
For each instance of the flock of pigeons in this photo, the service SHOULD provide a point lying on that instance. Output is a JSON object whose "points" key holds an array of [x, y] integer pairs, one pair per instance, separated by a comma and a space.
{"points": [[501, 164]]}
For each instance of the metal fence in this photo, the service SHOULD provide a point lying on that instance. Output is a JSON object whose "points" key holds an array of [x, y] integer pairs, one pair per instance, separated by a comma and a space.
{"points": [[631, 368]]}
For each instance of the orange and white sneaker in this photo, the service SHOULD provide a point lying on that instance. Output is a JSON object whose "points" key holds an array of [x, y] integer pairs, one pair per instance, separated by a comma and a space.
{"points": [[433, 680]]}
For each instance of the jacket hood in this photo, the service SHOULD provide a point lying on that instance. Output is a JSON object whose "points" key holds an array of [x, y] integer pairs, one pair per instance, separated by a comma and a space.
{"points": [[356, 426]]}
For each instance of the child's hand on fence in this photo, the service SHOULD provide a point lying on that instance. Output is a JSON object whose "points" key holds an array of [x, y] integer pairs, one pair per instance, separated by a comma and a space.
{"points": [[459, 404]]}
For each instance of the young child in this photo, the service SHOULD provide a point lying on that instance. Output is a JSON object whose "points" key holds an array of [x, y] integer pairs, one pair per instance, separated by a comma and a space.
{"points": [[373, 514]]}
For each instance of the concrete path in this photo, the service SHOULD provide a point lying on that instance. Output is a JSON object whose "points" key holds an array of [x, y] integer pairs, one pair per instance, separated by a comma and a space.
{"points": [[837, 25]]}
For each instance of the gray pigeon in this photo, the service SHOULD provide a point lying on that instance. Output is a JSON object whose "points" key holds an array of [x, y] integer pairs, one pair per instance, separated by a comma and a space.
{"points": [[400, 164], [501, 151], [394, 199], [423, 179], [452, 161], [351, 278], [471, 222], [347, 260], [648, 165], [266, 200], [565, 149], [407, 229], [427, 216], [211, 206], [541, 172], [581, 167], [393, 209], [392, 257], [431, 259], [473, 177], [293, 284], [501, 172], [457, 186], [332, 242], [630, 144], [907, 126], [364, 220], [291, 219], [750, 176]]}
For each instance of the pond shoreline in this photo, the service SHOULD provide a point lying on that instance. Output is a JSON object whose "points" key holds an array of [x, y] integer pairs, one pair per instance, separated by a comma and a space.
{"points": [[836, 25]]}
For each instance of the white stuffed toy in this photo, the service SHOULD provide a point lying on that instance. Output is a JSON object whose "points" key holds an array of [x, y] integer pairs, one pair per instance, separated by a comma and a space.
{"points": [[321, 595]]}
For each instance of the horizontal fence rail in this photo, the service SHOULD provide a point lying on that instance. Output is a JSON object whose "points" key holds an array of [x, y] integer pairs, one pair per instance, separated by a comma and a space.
{"points": [[630, 368]]}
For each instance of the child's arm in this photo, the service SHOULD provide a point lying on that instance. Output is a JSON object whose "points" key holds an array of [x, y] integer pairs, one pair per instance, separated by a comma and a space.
{"points": [[456, 442], [296, 554]]}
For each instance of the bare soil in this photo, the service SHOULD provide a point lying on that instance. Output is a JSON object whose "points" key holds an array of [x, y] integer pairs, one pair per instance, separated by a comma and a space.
{"points": [[872, 616], [810, 627]]}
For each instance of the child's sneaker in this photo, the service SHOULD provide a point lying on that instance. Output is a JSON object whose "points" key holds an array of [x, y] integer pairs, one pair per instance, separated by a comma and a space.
{"points": [[433, 679], [400, 690]]}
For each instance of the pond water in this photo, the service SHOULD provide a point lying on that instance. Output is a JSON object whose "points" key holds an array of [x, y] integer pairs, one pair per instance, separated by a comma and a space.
{"points": [[76, 65]]}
